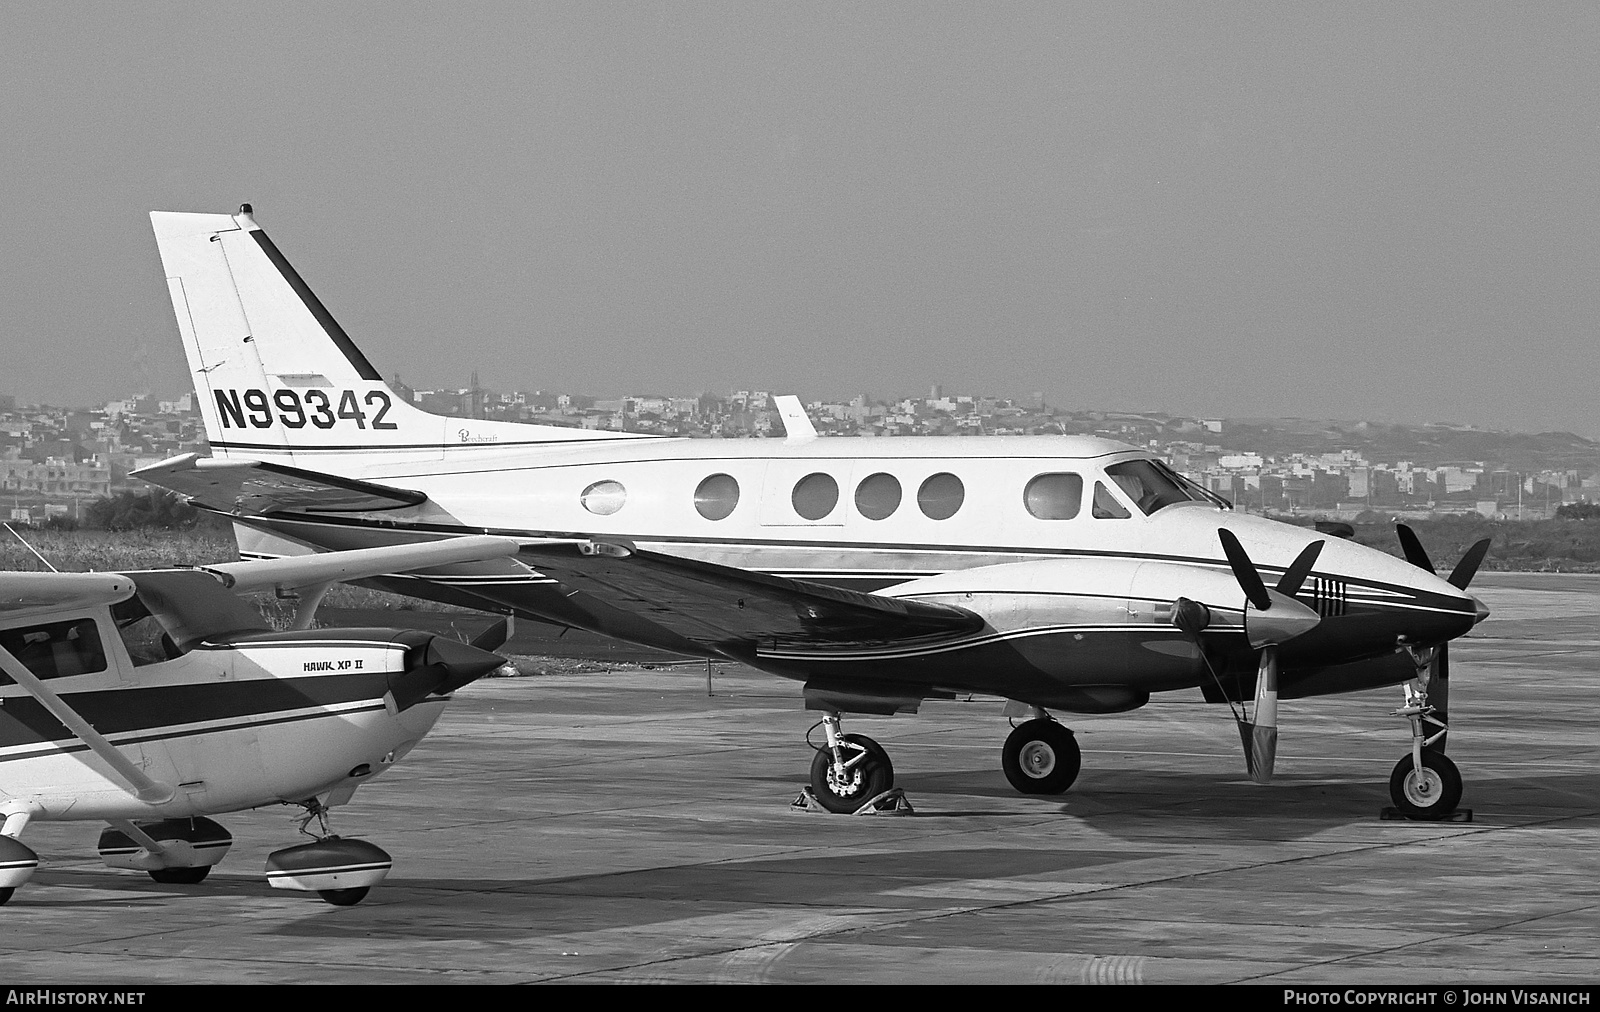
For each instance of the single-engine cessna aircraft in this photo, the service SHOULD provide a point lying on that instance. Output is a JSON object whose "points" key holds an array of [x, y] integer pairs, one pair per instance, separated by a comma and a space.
{"points": [[151, 700], [1063, 573]]}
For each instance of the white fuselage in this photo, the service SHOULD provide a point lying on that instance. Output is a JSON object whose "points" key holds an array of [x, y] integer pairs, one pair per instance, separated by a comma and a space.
{"points": [[229, 727]]}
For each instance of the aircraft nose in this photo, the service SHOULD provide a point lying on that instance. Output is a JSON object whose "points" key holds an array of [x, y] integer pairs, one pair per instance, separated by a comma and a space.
{"points": [[1479, 610], [443, 665], [462, 662]]}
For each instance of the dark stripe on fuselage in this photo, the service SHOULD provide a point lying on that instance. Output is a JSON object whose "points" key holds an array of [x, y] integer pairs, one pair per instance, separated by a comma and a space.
{"points": [[118, 711], [166, 734]]}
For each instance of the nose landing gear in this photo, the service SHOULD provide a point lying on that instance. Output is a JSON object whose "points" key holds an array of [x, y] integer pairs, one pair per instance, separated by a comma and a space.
{"points": [[340, 871], [1425, 785]]}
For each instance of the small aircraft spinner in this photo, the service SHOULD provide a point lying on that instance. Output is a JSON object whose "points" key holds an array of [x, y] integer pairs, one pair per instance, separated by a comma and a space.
{"points": [[154, 700]]}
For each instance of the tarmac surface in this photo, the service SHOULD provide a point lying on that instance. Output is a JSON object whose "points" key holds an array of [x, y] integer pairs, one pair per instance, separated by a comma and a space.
{"points": [[593, 824]]}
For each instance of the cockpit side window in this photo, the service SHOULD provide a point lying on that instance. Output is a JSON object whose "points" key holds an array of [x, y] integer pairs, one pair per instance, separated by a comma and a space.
{"points": [[1149, 486], [56, 649], [1106, 506], [145, 637]]}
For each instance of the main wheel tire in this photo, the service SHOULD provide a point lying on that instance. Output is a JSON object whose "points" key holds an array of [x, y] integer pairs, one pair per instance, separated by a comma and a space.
{"points": [[344, 897], [1041, 757], [180, 876], [862, 781], [1430, 793], [6, 894]]}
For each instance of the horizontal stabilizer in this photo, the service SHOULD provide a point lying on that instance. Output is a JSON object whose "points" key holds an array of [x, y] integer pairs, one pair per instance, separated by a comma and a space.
{"points": [[254, 488], [361, 563]]}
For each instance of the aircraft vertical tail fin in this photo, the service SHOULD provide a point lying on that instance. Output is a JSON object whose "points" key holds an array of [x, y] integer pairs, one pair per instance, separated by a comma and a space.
{"points": [[276, 375]]}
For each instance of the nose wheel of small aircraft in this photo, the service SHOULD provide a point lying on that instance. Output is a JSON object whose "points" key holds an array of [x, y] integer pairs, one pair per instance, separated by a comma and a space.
{"points": [[850, 771], [180, 876], [1041, 757]]}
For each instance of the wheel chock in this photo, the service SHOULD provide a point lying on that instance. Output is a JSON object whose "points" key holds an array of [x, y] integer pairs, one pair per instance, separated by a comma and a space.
{"points": [[891, 802], [1391, 814]]}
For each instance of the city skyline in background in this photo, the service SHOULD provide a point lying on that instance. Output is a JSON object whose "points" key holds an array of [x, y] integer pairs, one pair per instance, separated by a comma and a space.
{"points": [[1363, 211]]}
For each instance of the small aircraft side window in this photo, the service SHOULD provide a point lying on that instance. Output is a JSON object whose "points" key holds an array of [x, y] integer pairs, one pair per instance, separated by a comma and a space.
{"points": [[716, 497], [1106, 506], [56, 649], [1056, 496], [941, 496], [815, 495], [878, 496], [604, 498]]}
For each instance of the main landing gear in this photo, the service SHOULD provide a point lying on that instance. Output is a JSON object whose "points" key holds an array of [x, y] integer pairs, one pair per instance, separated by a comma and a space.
{"points": [[1041, 756], [1425, 785], [850, 771]]}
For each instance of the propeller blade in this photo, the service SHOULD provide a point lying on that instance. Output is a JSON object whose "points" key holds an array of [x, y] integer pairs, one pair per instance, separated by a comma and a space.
{"points": [[1293, 577], [1467, 568], [493, 637], [1415, 553], [1244, 570]]}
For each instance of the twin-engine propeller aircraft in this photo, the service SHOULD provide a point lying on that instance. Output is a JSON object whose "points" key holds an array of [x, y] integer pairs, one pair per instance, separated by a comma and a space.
{"points": [[1064, 573], [152, 700]]}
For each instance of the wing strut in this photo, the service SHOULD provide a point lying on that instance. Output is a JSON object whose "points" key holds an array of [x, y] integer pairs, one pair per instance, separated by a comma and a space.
{"points": [[151, 792]]}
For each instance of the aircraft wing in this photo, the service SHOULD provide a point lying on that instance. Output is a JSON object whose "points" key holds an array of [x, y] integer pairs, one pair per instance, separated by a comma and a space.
{"points": [[28, 591], [360, 563], [723, 607], [256, 487]]}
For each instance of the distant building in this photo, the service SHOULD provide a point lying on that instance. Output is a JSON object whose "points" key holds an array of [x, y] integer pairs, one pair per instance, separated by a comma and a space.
{"points": [[56, 476]]}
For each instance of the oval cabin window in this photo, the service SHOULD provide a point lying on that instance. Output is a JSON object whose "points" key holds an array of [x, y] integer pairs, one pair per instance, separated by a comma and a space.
{"points": [[815, 496], [941, 496], [716, 497], [604, 498], [878, 496], [1054, 496]]}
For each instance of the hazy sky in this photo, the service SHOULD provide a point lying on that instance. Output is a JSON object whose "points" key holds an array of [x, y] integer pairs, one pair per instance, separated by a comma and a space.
{"points": [[1329, 210]]}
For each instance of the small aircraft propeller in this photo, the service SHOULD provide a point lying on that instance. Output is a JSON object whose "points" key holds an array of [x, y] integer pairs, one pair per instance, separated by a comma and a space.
{"points": [[1271, 618], [439, 666], [494, 637]]}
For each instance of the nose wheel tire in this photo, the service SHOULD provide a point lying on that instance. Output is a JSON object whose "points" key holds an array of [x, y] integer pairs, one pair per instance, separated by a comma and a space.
{"points": [[344, 897], [180, 876], [1429, 793], [867, 774], [6, 893], [1041, 757]]}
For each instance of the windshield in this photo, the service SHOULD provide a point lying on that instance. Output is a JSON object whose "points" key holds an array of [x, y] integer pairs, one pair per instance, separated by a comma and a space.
{"points": [[1153, 485]]}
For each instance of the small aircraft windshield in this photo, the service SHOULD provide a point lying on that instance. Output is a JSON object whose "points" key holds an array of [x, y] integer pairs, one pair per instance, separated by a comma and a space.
{"points": [[144, 636], [1152, 485]]}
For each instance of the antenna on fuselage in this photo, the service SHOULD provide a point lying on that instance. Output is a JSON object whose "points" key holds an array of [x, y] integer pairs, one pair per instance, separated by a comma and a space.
{"points": [[30, 548]]}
